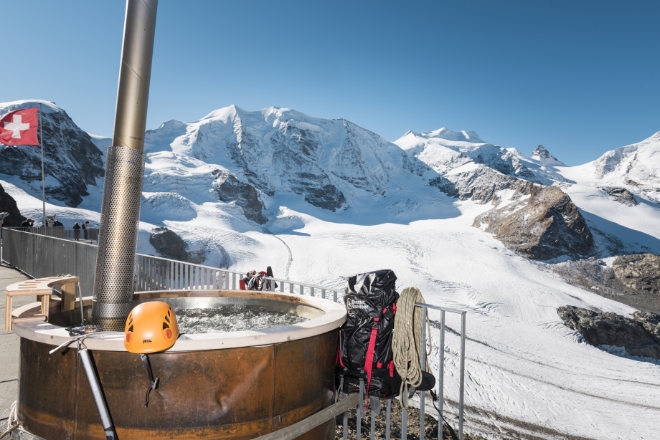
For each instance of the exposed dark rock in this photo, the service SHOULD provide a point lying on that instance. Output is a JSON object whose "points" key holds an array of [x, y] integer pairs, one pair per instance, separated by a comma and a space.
{"points": [[170, 245], [543, 226], [72, 160], [445, 185], [230, 189], [640, 273], [479, 185], [326, 196], [8, 205], [621, 195], [592, 274], [639, 335]]}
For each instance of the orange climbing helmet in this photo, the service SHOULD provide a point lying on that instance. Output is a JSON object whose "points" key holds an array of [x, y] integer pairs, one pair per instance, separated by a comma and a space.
{"points": [[150, 327]]}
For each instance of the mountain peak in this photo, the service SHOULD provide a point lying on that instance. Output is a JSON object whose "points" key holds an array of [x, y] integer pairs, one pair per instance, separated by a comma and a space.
{"points": [[224, 113], [450, 135], [542, 154]]}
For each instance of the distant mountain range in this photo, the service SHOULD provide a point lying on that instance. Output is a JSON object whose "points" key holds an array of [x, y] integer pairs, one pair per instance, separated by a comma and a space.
{"points": [[251, 163]]}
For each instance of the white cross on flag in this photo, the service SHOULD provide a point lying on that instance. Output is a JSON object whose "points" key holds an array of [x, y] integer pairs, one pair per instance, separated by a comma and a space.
{"points": [[20, 127]]}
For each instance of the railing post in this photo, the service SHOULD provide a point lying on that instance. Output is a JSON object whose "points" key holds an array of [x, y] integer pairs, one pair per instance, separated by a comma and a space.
{"points": [[372, 425], [388, 415], [462, 380], [441, 375], [358, 415], [422, 363]]}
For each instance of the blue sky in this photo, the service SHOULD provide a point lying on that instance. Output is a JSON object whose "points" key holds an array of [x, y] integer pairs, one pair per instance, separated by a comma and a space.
{"points": [[580, 77]]}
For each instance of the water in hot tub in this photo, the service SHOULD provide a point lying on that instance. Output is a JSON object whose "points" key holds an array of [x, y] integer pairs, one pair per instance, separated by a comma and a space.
{"points": [[232, 318]]}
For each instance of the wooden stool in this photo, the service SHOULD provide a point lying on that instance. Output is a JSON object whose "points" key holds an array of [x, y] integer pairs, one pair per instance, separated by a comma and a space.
{"points": [[42, 288]]}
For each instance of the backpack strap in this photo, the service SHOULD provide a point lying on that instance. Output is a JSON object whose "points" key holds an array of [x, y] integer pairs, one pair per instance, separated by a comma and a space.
{"points": [[369, 361], [338, 359]]}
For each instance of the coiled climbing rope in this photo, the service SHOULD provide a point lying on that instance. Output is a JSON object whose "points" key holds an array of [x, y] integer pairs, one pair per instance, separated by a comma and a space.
{"points": [[407, 340]]}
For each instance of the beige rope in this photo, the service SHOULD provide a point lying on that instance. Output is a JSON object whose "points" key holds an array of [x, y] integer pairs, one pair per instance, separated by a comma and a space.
{"points": [[407, 340]]}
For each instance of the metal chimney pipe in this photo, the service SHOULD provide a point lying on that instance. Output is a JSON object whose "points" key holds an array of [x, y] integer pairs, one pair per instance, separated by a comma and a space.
{"points": [[122, 190]]}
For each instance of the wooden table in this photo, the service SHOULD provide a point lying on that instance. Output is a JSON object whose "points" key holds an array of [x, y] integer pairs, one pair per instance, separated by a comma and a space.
{"points": [[42, 288]]}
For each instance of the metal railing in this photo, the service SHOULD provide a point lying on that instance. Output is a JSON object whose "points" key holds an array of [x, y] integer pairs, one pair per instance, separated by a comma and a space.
{"points": [[40, 255], [88, 235]]}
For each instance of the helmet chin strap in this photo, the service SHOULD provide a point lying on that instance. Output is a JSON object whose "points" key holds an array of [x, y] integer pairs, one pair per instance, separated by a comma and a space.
{"points": [[153, 382]]}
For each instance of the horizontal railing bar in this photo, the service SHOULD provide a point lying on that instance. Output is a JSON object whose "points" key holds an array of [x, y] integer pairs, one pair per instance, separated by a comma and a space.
{"points": [[446, 309]]}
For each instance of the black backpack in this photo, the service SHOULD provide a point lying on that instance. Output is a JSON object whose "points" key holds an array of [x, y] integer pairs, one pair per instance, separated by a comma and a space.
{"points": [[365, 340]]}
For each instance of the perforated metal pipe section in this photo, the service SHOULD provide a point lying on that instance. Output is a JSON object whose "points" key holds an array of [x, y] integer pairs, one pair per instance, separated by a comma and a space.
{"points": [[113, 285]]}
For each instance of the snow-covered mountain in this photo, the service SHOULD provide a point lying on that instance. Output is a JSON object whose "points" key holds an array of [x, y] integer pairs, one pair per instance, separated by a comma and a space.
{"points": [[319, 200], [255, 159], [455, 153], [72, 162], [635, 167]]}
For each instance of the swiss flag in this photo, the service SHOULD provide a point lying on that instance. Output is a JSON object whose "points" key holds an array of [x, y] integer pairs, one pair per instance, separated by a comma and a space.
{"points": [[20, 127]]}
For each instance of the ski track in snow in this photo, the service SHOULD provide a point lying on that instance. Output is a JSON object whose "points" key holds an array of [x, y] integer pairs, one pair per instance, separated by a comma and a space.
{"points": [[287, 268]]}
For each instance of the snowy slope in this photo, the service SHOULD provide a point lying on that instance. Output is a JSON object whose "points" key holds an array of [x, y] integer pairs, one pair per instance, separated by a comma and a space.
{"points": [[526, 373]]}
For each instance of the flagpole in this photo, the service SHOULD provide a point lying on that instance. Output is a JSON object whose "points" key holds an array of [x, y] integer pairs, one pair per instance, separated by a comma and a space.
{"points": [[43, 178]]}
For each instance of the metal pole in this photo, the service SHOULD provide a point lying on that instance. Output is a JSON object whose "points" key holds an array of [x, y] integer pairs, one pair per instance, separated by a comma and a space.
{"points": [[372, 425], [43, 178], [82, 313], [97, 392], [2, 244], [120, 212], [358, 416], [422, 364], [441, 375], [462, 382], [388, 413]]}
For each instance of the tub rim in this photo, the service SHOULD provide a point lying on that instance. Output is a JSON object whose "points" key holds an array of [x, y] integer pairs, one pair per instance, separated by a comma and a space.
{"points": [[333, 317]]}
